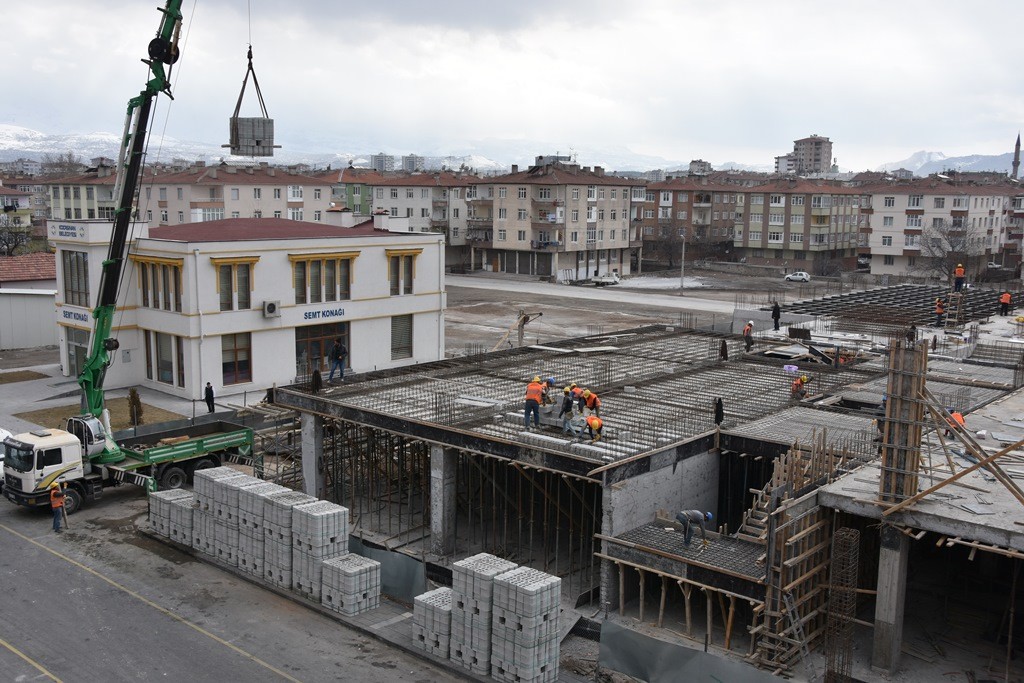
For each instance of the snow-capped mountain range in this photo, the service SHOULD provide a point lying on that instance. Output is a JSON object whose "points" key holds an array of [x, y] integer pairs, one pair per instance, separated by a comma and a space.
{"points": [[18, 142]]}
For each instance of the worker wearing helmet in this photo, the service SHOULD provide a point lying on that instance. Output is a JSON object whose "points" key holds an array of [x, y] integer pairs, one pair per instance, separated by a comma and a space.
{"points": [[591, 402], [748, 336], [534, 396], [798, 390], [594, 427], [549, 386], [940, 310], [576, 391], [958, 277], [690, 517], [57, 504], [566, 412]]}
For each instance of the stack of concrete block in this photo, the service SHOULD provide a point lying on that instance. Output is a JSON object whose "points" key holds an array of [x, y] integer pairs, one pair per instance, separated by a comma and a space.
{"points": [[277, 536], [251, 500], [182, 510], [161, 510], [204, 528], [351, 584], [432, 622], [524, 626], [472, 585], [225, 515], [319, 532]]}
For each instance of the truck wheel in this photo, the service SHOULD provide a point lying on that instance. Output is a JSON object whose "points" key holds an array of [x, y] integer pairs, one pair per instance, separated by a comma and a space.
{"points": [[201, 464], [72, 501], [172, 478]]}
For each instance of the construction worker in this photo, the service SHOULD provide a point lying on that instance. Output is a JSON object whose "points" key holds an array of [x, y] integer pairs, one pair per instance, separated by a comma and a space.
{"points": [[690, 517], [776, 314], [534, 395], [576, 391], [1005, 299], [912, 333], [940, 310], [955, 421], [566, 412], [549, 387], [591, 402], [748, 336], [57, 504], [958, 277], [798, 390], [594, 427]]}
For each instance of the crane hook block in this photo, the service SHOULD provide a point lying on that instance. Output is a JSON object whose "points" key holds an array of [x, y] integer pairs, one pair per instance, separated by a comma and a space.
{"points": [[163, 50]]}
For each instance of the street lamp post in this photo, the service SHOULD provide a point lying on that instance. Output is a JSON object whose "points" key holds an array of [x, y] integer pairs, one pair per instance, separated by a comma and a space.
{"points": [[682, 265]]}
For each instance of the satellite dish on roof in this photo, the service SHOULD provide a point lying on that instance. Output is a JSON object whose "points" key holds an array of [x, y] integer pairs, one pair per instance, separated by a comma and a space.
{"points": [[943, 177]]}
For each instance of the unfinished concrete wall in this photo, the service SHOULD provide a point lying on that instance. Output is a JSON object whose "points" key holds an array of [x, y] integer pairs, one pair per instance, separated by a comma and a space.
{"points": [[691, 485]]}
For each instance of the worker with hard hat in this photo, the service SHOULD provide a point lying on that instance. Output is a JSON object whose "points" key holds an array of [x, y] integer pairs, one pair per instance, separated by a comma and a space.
{"points": [[566, 412], [534, 396], [1005, 299], [690, 517], [57, 504], [958, 277], [591, 402], [594, 427], [549, 388], [955, 422], [940, 310], [798, 390], [748, 336]]}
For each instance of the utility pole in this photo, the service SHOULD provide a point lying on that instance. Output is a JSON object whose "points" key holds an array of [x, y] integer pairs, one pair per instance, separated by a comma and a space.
{"points": [[682, 265]]}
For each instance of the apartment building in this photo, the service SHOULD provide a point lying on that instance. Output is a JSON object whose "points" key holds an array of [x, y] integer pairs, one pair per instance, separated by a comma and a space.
{"points": [[38, 200], [693, 208], [353, 189], [382, 162], [554, 220], [246, 303], [919, 219], [196, 194], [799, 225], [812, 154]]}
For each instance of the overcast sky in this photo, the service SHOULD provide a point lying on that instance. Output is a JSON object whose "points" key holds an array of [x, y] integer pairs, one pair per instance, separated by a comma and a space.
{"points": [[720, 80]]}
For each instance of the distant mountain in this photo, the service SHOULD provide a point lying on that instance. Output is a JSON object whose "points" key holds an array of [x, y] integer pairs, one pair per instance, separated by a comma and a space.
{"points": [[736, 166], [925, 163]]}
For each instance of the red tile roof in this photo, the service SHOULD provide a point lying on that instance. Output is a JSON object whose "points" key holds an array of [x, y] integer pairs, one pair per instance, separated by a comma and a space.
{"points": [[233, 175], [11, 192], [804, 186], [41, 265], [243, 229], [552, 175], [436, 179]]}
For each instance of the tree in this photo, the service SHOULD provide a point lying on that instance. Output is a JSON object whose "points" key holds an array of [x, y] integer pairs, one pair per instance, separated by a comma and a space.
{"points": [[62, 164], [13, 235], [135, 408], [945, 244]]}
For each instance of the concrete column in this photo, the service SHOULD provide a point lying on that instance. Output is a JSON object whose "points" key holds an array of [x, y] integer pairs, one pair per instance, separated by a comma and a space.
{"points": [[892, 586], [312, 455], [443, 462]]}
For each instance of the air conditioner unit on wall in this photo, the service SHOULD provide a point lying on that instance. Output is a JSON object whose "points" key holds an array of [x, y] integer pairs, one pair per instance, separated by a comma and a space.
{"points": [[271, 309]]}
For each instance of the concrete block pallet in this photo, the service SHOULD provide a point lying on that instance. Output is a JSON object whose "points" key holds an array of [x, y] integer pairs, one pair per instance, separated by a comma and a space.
{"points": [[203, 532], [277, 536], [203, 483], [350, 584], [319, 532], [472, 588], [525, 636], [226, 497], [160, 509], [432, 622], [251, 532]]}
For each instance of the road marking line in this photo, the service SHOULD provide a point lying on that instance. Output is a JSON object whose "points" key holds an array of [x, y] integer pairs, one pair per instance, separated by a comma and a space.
{"points": [[392, 620], [29, 660], [152, 604]]}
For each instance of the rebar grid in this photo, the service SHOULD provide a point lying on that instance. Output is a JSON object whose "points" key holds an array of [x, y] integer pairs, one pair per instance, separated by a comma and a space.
{"points": [[842, 605]]}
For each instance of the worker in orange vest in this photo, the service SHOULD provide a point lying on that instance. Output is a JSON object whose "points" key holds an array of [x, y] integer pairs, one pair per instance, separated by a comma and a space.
{"points": [[57, 505], [748, 336], [798, 390], [958, 277], [955, 421], [591, 402], [1005, 299], [940, 310], [594, 427], [534, 395]]}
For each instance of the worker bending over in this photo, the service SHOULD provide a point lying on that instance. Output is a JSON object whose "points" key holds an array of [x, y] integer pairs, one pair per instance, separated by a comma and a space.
{"points": [[955, 421], [591, 402], [690, 517], [798, 390], [594, 427]]}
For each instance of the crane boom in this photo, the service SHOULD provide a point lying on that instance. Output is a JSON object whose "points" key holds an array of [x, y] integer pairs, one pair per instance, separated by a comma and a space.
{"points": [[163, 50]]}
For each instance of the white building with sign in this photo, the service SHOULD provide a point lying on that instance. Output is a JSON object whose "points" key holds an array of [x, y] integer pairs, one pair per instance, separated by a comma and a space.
{"points": [[246, 303]]}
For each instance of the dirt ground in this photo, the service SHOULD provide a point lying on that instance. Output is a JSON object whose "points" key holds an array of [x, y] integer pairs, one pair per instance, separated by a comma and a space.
{"points": [[26, 358], [118, 414]]}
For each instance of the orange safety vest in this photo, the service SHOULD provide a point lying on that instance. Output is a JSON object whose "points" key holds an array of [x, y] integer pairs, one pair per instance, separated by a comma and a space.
{"points": [[959, 272], [747, 329], [56, 498], [1005, 298], [534, 391], [593, 401], [594, 422], [939, 307], [798, 384], [576, 393]]}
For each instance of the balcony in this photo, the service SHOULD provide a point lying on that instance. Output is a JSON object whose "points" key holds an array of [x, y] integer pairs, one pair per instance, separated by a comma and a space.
{"points": [[477, 200], [479, 221], [701, 204], [441, 223], [439, 203], [545, 246]]}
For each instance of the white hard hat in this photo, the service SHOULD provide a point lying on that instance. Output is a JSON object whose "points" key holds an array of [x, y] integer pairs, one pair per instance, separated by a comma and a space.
{"points": [[750, 322]]}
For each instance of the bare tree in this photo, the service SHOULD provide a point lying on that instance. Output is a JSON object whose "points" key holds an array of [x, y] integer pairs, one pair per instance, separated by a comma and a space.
{"points": [[13, 235], [947, 243], [62, 164]]}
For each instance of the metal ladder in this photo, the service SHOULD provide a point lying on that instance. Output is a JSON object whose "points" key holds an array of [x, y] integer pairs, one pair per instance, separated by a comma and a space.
{"points": [[798, 632]]}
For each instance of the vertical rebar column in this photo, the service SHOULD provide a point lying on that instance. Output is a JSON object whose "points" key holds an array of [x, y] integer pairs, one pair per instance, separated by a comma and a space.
{"points": [[842, 606], [901, 434]]}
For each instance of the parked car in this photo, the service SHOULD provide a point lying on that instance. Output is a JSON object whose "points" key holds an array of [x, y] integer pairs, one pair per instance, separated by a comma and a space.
{"points": [[798, 276], [993, 264]]}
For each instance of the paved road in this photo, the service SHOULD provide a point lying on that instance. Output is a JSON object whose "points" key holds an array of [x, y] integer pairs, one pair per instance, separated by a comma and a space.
{"points": [[103, 602]]}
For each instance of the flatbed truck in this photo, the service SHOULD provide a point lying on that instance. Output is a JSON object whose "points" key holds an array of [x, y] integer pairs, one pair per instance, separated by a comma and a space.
{"points": [[166, 459]]}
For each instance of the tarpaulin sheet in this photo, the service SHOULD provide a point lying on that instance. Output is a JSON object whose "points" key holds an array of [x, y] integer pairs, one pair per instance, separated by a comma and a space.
{"points": [[401, 576]]}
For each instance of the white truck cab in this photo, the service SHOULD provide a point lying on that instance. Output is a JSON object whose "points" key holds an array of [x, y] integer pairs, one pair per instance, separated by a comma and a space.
{"points": [[35, 460]]}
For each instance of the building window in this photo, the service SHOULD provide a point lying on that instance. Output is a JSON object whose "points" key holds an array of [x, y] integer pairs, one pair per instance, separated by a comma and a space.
{"points": [[257, 193], [575, 215], [502, 214], [915, 200], [313, 344], [774, 236], [544, 193], [501, 235], [591, 192], [887, 241], [234, 282], [887, 221], [316, 193], [234, 194], [401, 337], [521, 193], [940, 202], [522, 215], [324, 277], [236, 358], [75, 267], [889, 260], [294, 193], [295, 214], [575, 193], [401, 269]]}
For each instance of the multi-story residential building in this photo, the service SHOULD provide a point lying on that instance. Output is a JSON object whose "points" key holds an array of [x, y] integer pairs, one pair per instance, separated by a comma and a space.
{"points": [[39, 196], [810, 155], [554, 220], [911, 222], [22, 167], [785, 164], [198, 193], [382, 162], [246, 303], [701, 167], [15, 219], [353, 189], [693, 208], [799, 225], [426, 199], [412, 163]]}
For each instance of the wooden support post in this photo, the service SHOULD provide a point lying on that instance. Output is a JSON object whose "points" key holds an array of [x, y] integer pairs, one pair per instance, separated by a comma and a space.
{"points": [[622, 589], [686, 589], [661, 608], [642, 577], [728, 621], [711, 614]]}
